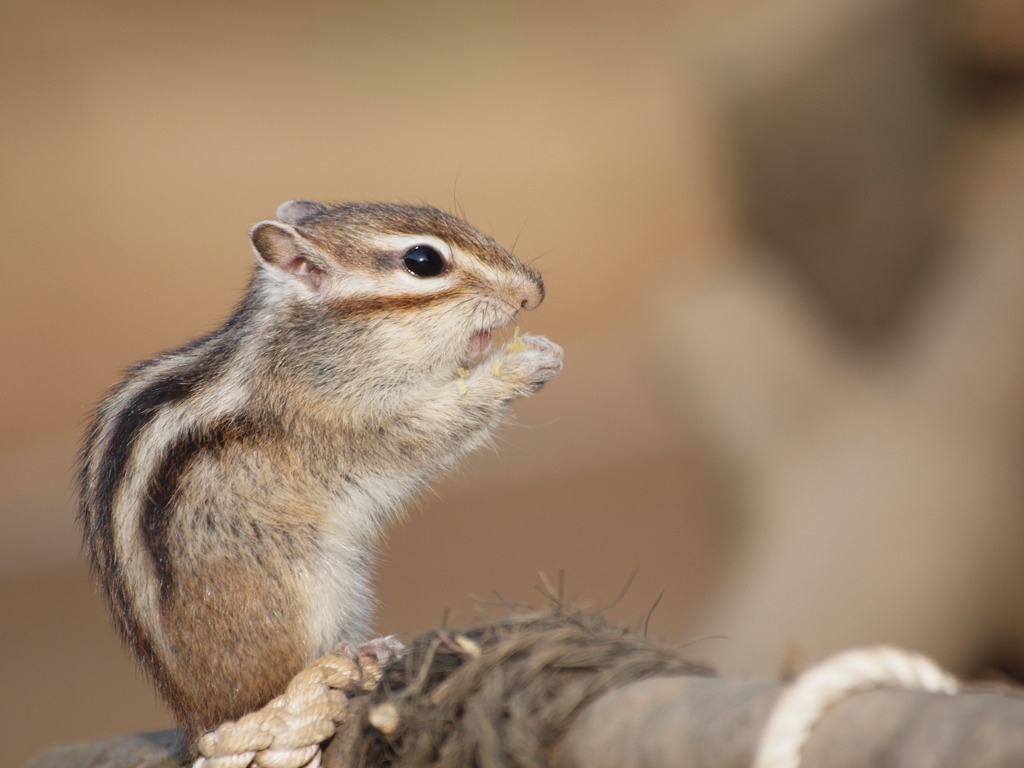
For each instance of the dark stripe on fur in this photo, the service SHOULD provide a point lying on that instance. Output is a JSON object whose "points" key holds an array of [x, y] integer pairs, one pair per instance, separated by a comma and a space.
{"points": [[96, 508], [99, 513], [375, 304], [133, 418], [155, 516], [128, 426]]}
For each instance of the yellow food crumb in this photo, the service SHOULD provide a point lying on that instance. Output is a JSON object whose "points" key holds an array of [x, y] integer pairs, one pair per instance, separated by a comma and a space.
{"points": [[464, 373], [517, 344], [496, 368], [463, 389]]}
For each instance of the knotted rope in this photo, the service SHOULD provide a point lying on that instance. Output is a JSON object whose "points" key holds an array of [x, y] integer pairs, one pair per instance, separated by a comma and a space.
{"points": [[288, 732]]}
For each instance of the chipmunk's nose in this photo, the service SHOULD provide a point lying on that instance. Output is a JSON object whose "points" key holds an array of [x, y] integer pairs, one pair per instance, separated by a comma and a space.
{"points": [[530, 293]]}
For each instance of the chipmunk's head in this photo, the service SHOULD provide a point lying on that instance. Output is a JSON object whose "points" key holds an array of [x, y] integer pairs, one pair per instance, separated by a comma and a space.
{"points": [[426, 286]]}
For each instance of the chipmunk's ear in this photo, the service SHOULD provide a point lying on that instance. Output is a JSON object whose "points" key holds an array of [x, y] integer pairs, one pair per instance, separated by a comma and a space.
{"points": [[280, 247], [294, 212]]}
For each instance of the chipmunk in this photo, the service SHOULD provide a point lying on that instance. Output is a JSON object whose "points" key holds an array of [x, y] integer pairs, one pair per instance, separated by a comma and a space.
{"points": [[233, 490]]}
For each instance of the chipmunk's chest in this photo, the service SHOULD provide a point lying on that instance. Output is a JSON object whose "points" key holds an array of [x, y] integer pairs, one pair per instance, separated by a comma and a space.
{"points": [[356, 513]]}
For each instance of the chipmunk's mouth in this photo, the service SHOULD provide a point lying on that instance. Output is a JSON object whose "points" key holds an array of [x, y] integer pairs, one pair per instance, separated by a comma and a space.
{"points": [[479, 345], [481, 342]]}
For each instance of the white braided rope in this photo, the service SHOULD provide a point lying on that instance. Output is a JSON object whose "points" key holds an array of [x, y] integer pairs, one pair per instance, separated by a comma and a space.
{"points": [[288, 731], [801, 705]]}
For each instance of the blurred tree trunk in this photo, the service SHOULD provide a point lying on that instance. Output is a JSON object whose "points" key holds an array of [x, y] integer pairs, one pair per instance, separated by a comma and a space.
{"points": [[861, 380]]}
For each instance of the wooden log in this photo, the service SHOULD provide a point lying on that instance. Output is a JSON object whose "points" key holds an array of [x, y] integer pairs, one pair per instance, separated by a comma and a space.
{"points": [[160, 749], [695, 722], [701, 722]]}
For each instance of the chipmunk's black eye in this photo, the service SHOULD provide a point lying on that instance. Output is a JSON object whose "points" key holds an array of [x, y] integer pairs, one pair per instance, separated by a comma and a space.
{"points": [[424, 261]]}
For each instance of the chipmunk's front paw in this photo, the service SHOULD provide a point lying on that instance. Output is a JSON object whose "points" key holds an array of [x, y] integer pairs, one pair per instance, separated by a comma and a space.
{"points": [[527, 363], [380, 651]]}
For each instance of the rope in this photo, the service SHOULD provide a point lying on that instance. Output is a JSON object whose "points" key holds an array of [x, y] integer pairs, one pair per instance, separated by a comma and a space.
{"points": [[289, 730], [799, 708]]}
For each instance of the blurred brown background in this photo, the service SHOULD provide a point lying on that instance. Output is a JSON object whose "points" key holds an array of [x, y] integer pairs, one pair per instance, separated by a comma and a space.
{"points": [[783, 250]]}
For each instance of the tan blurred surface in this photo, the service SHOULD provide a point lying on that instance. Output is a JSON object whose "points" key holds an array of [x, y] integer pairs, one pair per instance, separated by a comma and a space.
{"points": [[639, 156]]}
